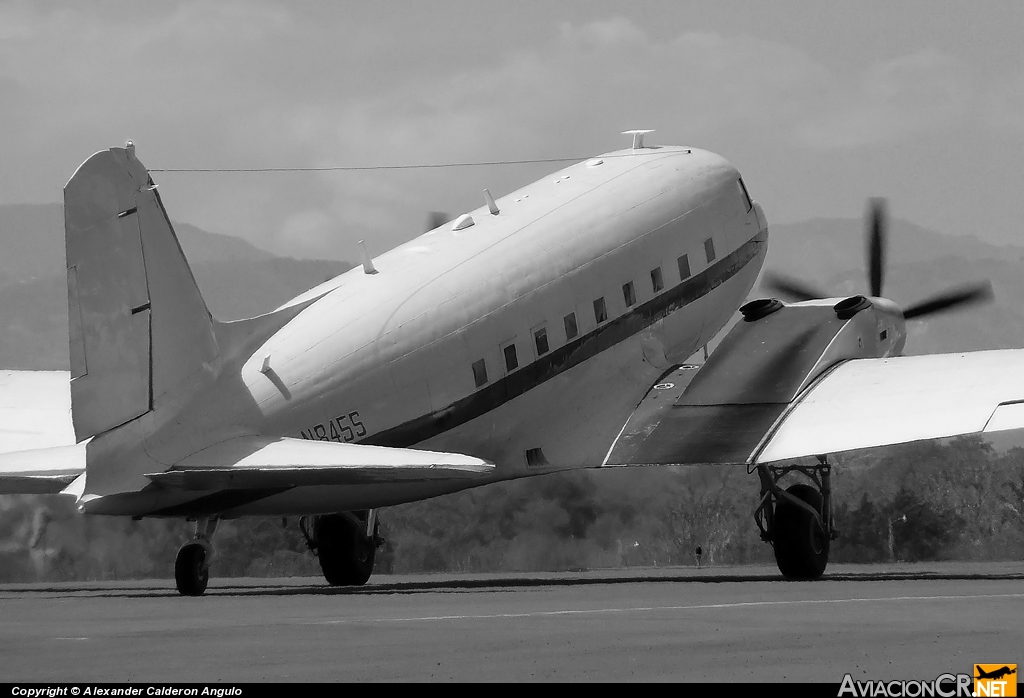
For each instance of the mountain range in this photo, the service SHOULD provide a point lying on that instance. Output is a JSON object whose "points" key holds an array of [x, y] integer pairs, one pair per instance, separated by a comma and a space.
{"points": [[240, 280]]}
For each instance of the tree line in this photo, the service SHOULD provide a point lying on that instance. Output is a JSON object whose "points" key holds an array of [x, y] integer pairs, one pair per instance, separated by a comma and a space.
{"points": [[925, 501]]}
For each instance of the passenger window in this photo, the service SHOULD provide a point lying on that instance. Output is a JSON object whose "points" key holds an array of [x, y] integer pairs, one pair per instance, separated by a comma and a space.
{"points": [[511, 360], [600, 311], [657, 283], [684, 267], [480, 372], [540, 339], [571, 330], [629, 294], [709, 250]]}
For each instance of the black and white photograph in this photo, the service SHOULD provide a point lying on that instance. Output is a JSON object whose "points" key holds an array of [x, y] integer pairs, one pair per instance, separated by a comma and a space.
{"points": [[667, 341]]}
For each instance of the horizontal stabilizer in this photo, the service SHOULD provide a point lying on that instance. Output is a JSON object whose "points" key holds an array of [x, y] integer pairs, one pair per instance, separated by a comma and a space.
{"points": [[35, 410], [41, 470], [262, 462]]}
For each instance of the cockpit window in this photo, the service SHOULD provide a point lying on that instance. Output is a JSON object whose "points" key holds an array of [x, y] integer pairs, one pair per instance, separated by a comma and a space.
{"points": [[744, 194]]}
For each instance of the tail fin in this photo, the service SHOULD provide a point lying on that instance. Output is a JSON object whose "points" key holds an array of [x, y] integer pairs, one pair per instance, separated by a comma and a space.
{"points": [[139, 327]]}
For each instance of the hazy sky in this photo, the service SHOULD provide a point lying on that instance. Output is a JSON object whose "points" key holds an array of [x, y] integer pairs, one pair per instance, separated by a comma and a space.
{"points": [[819, 104]]}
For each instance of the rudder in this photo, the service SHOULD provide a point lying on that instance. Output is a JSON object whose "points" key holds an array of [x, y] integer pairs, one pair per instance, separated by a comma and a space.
{"points": [[139, 327]]}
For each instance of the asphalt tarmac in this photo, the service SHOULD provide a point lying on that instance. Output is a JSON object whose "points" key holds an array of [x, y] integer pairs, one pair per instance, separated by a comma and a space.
{"points": [[676, 624]]}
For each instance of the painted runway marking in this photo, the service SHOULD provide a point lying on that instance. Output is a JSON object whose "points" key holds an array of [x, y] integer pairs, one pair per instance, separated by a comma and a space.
{"points": [[648, 609]]}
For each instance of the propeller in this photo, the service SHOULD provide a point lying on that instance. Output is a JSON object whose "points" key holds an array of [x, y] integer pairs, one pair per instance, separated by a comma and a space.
{"points": [[975, 293], [792, 288], [876, 247]]}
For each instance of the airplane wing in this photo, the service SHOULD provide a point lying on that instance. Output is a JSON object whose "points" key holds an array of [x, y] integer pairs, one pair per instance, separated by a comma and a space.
{"points": [[857, 403], [876, 402], [259, 462]]}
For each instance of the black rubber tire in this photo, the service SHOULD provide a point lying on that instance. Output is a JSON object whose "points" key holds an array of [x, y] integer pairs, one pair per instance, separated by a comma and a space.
{"points": [[346, 555], [191, 572], [801, 547]]}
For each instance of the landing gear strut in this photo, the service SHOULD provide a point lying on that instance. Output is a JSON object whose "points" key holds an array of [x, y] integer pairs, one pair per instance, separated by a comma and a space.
{"points": [[797, 521], [192, 565], [345, 544]]}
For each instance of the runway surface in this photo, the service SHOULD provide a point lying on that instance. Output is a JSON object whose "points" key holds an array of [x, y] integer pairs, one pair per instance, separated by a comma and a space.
{"points": [[719, 624]]}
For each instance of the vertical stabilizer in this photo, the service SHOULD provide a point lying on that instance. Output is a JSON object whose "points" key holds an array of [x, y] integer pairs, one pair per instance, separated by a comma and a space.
{"points": [[139, 327]]}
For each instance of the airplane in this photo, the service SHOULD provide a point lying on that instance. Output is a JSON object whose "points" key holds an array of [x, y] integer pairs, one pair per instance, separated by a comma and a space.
{"points": [[996, 673], [544, 331]]}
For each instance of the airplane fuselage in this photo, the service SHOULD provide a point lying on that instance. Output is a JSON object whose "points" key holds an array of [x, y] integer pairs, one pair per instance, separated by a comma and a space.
{"points": [[389, 358], [526, 338]]}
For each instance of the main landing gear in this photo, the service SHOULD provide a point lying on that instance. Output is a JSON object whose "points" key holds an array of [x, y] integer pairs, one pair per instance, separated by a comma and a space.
{"points": [[192, 565], [797, 521], [345, 544]]}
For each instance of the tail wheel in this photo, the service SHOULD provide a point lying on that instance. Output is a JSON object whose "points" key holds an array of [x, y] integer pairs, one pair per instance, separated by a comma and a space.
{"points": [[801, 546], [191, 573], [346, 554]]}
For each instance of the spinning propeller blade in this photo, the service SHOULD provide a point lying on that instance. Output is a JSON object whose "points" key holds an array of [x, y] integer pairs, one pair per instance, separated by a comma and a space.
{"points": [[877, 225], [876, 245], [952, 298], [791, 288]]}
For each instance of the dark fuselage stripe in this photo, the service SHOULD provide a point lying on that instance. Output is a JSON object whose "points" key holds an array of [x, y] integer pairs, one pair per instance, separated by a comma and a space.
{"points": [[572, 353]]}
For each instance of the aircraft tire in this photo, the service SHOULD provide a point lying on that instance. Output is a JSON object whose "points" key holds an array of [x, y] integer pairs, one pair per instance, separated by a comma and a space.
{"points": [[346, 555], [801, 547], [191, 573]]}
